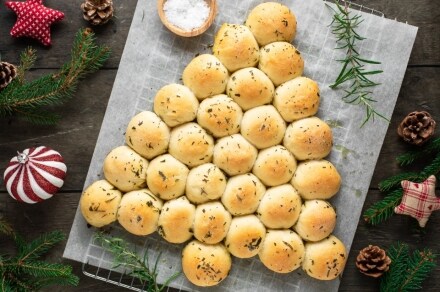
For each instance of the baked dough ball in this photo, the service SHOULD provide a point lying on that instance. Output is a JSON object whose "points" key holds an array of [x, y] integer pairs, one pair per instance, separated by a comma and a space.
{"points": [[205, 75], [309, 138], [312, 227], [175, 104], [243, 194], [205, 265], [211, 222], [205, 183], [125, 169], [325, 259], [263, 126], [270, 22], [316, 179], [235, 46], [297, 98], [190, 144], [166, 177], [274, 166], [250, 87], [280, 207], [234, 154], [176, 219], [220, 115], [281, 61], [282, 251], [147, 134], [245, 236], [139, 212], [99, 203]]}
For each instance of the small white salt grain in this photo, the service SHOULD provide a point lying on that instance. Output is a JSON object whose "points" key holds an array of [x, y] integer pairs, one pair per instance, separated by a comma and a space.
{"points": [[186, 14]]}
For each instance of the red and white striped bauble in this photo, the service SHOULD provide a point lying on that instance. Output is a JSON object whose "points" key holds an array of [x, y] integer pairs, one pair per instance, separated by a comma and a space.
{"points": [[35, 175]]}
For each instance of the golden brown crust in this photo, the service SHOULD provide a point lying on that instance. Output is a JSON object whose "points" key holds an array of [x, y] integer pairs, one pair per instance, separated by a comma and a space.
{"points": [[125, 169], [205, 265], [139, 212], [99, 203], [245, 236], [236, 47], [325, 259], [211, 222], [205, 183]]}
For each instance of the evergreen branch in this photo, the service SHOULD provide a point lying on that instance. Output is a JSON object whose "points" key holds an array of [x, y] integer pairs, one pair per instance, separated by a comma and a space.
{"points": [[6, 228], [409, 157], [394, 181], [39, 246], [139, 266], [433, 168], [41, 270], [383, 209], [344, 26], [27, 61], [399, 255]]}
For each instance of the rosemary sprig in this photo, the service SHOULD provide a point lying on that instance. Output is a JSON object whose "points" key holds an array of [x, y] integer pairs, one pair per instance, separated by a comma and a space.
{"points": [[344, 26], [139, 266]]}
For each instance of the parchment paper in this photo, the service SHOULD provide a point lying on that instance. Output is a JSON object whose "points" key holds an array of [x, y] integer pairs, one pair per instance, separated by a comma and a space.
{"points": [[154, 57]]}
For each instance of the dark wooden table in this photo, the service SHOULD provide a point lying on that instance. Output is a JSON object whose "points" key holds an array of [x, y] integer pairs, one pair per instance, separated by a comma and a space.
{"points": [[75, 135]]}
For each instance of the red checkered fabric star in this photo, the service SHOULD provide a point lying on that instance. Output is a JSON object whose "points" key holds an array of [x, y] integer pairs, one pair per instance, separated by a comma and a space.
{"points": [[419, 200], [34, 20]]}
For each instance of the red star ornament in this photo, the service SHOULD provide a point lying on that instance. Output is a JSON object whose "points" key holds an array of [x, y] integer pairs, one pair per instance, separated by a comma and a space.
{"points": [[419, 200], [34, 20]]}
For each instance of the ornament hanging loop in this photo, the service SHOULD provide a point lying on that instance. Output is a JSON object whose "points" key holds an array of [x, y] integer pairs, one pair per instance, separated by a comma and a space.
{"points": [[22, 157]]}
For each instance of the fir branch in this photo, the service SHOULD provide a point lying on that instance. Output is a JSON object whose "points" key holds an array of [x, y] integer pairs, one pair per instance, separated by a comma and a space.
{"points": [[27, 99], [383, 209], [409, 157], [399, 255], [139, 266], [394, 181], [344, 27], [27, 61], [39, 246]]}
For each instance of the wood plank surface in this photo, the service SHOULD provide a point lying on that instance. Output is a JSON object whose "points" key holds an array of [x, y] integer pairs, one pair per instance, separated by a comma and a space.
{"points": [[75, 136]]}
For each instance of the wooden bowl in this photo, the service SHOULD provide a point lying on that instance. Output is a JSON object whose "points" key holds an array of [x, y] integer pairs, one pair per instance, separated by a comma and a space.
{"points": [[195, 32]]}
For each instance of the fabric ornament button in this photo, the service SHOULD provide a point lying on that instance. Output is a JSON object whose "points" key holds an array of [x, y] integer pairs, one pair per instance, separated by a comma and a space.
{"points": [[35, 175]]}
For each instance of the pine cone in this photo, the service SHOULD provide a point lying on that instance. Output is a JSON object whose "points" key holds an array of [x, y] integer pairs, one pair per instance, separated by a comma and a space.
{"points": [[7, 73], [373, 261], [97, 11], [417, 128]]}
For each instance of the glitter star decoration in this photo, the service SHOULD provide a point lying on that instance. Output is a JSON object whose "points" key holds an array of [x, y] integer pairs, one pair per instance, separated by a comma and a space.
{"points": [[419, 200], [34, 20]]}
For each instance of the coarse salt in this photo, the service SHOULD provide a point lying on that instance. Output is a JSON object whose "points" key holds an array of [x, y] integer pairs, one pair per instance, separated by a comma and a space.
{"points": [[186, 14]]}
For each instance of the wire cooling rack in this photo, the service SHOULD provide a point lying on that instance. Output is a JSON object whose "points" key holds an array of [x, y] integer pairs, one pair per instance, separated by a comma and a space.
{"points": [[98, 263]]}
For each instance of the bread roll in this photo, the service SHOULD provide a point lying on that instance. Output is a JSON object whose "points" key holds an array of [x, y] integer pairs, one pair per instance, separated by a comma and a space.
{"points": [[211, 222], [325, 259], [263, 126], [125, 169], [236, 47], [309, 138], [243, 194], [190, 144], [234, 154], [282, 251], [205, 75], [220, 116], [166, 177], [270, 22], [316, 179], [205, 265], [139, 212], [147, 134], [274, 166], [175, 104], [176, 220], [245, 236], [99, 203], [205, 183], [250, 87], [279, 207], [297, 98], [281, 61], [312, 227]]}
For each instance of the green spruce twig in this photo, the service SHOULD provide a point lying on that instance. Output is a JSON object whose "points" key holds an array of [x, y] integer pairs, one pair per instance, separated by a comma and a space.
{"points": [[407, 272], [411, 156], [384, 209], [344, 27], [139, 266], [28, 99]]}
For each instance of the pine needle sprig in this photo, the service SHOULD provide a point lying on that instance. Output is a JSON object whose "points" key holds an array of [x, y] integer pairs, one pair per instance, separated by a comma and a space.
{"points": [[407, 272], [411, 156], [384, 209], [27, 99], [344, 27], [139, 266]]}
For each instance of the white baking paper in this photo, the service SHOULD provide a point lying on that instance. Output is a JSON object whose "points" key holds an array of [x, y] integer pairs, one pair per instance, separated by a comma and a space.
{"points": [[154, 57]]}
